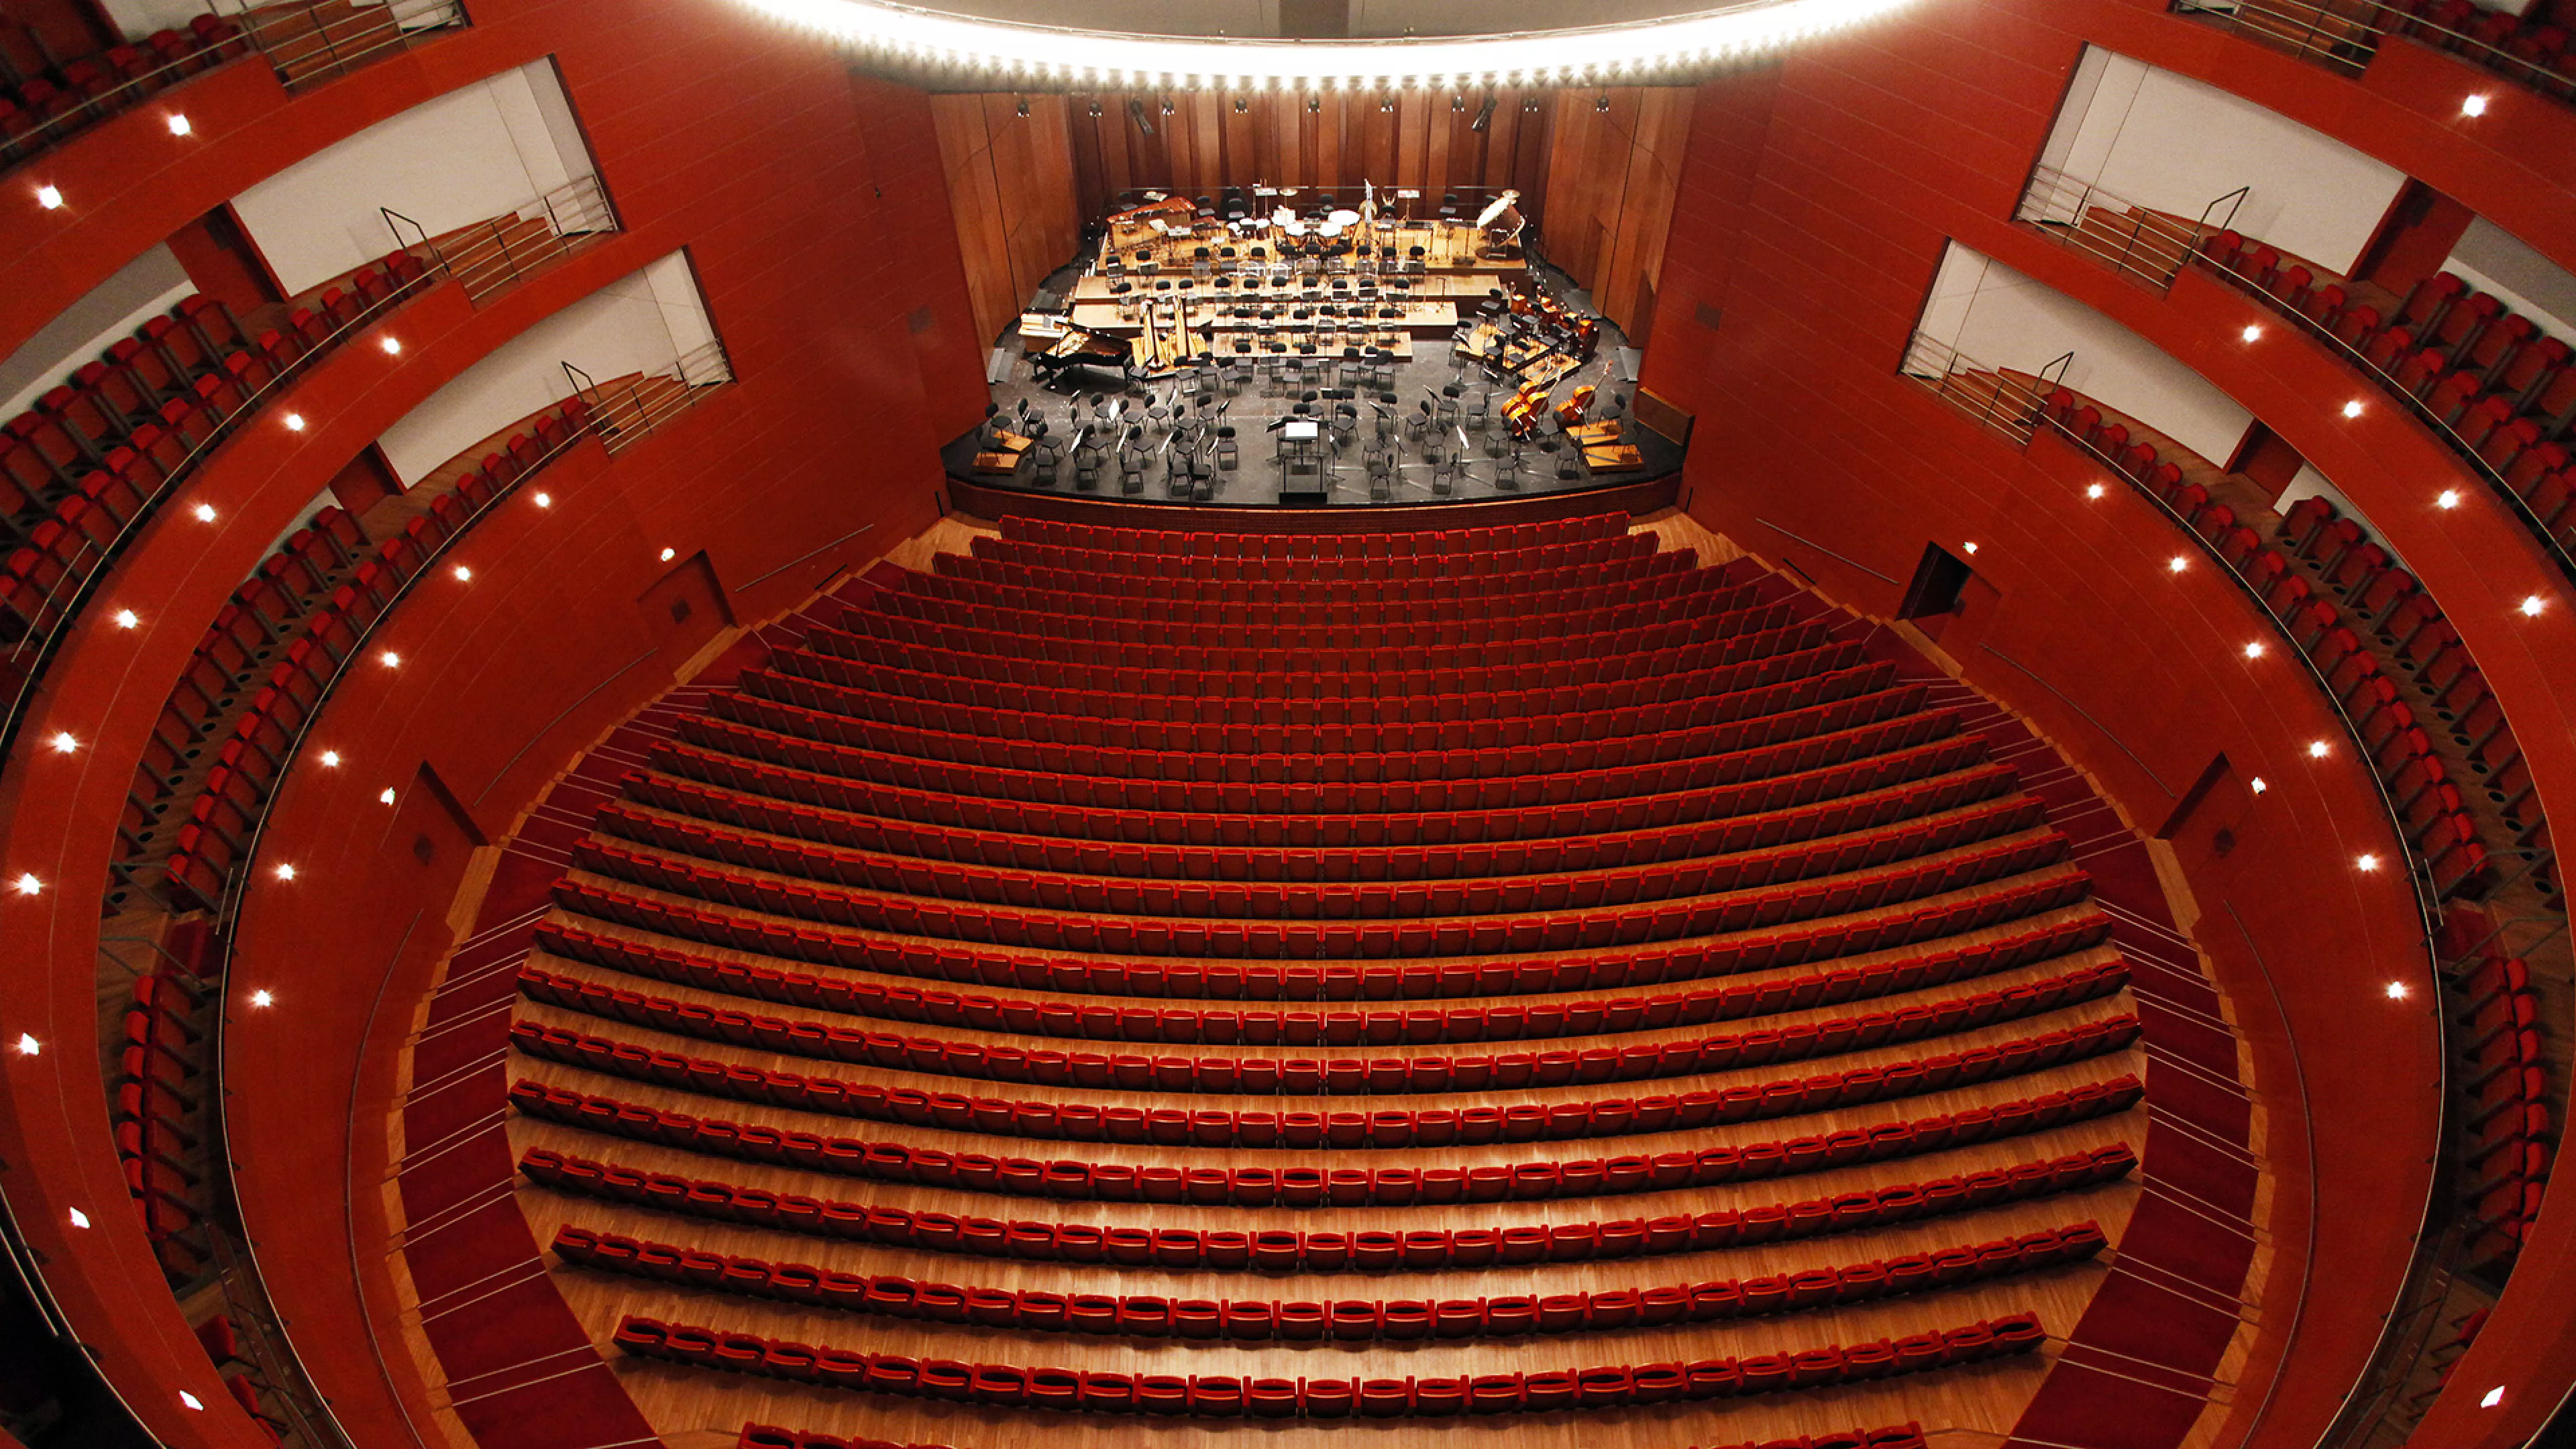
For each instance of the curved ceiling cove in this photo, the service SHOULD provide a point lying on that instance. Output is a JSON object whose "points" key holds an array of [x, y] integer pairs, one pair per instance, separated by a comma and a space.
{"points": [[1047, 55]]}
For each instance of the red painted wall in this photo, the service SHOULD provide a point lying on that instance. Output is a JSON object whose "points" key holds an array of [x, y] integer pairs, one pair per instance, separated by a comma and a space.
{"points": [[1873, 151], [812, 208]]}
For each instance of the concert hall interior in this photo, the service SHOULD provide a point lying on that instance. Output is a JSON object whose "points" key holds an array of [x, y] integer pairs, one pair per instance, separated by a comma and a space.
{"points": [[835, 724]]}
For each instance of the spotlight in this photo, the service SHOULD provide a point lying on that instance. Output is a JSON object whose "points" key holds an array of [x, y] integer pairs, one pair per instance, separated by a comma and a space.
{"points": [[27, 885], [2397, 991], [2531, 606], [1385, 102], [390, 659], [387, 798], [179, 125], [2254, 650], [28, 1046], [2447, 498], [285, 871], [1242, 107], [79, 1219], [2493, 1397], [2473, 105], [392, 346], [464, 574], [49, 197], [1457, 105], [127, 619], [205, 512], [1024, 108], [2352, 409], [2177, 563], [2259, 784], [2319, 749], [669, 554], [191, 1400], [545, 500], [262, 998], [1167, 105], [1094, 110], [1970, 547], [331, 759], [2365, 862], [294, 422], [2252, 334], [63, 742], [1602, 103], [2094, 490]]}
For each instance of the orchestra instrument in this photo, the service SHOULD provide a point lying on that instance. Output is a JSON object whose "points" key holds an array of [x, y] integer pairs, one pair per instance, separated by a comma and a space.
{"points": [[1525, 408], [1569, 413]]}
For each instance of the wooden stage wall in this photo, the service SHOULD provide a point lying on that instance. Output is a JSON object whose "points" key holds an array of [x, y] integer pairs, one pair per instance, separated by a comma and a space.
{"points": [[1597, 184]]}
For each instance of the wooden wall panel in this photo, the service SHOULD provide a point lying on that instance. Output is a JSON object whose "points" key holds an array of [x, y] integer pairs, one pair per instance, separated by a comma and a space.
{"points": [[1014, 192], [1611, 179]]}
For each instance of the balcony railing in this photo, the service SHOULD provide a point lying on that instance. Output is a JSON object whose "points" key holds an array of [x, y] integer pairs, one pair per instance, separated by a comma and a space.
{"points": [[629, 408], [2008, 403], [2150, 245], [489, 256], [2347, 34], [311, 41], [45, 101]]}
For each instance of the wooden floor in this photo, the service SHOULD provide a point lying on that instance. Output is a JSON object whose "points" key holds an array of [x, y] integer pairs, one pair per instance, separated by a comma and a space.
{"points": [[696, 1408]]}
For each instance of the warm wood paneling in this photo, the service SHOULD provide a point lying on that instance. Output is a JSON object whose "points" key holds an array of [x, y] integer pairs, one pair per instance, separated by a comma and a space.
{"points": [[1612, 175], [1011, 189]]}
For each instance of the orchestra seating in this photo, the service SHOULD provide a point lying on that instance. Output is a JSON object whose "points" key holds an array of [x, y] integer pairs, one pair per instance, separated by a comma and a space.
{"points": [[1298, 977]]}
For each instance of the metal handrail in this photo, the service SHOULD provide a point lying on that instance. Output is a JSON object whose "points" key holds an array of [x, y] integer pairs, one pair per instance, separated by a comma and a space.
{"points": [[2157, 244], [246, 1272], [695, 371], [2558, 552], [489, 260], [2308, 17], [33, 653], [285, 31], [1936, 364], [105, 105], [2348, 44]]}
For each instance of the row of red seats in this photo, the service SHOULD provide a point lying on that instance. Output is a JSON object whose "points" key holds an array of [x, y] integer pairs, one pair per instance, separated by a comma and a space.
{"points": [[1721, 616], [1039, 928], [1695, 666], [1197, 570], [1228, 735], [312, 644], [1412, 1250], [158, 1093], [1531, 581], [243, 1379], [99, 454], [1228, 886], [2503, 391], [1724, 956], [48, 100], [888, 596], [1335, 617], [1216, 847], [1810, 740], [2503, 1072], [1513, 1021], [1226, 1396], [1789, 806], [1894, 1436], [1587, 745], [1344, 1320], [1287, 1186], [2359, 573], [1264, 1076], [1409, 543], [2528, 44], [1384, 1128]]}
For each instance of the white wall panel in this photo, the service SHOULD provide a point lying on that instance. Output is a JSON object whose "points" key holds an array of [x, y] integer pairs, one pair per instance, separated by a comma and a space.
{"points": [[2002, 319], [470, 155], [2161, 140], [2492, 259], [624, 327], [143, 288]]}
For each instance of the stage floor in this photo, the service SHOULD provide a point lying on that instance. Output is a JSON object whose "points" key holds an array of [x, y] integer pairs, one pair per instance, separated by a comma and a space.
{"points": [[1256, 480]]}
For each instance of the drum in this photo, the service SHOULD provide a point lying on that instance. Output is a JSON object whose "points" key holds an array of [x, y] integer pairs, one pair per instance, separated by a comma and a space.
{"points": [[1343, 218], [1283, 216], [1329, 230], [1295, 228]]}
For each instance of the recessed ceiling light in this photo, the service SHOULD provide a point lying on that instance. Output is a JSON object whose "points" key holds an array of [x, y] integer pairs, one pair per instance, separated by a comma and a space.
{"points": [[545, 500], [2319, 749], [2532, 604], [331, 758], [2447, 498], [2178, 563], [79, 1219], [285, 871], [28, 1046], [387, 798], [2365, 862], [2260, 784], [389, 659], [2473, 105], [2397, 991], [294, 422], [205, 513], [191, 1400], [2352, 409], [2254, 649], [669, 554], [262, 998], [464, 574], [2494, 1397], [2252, 333], [179, 125], [392, 346], [48, 197], [27, 885], [63, 742], [2093, 490], [127, 619], [1970, 547]]}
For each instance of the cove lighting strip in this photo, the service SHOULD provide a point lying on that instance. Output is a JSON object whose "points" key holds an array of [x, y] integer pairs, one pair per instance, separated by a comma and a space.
{"points": [[1056, 56]]}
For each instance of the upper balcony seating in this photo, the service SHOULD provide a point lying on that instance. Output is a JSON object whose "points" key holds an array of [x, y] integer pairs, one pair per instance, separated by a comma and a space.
{"points": [[47, 99]]}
